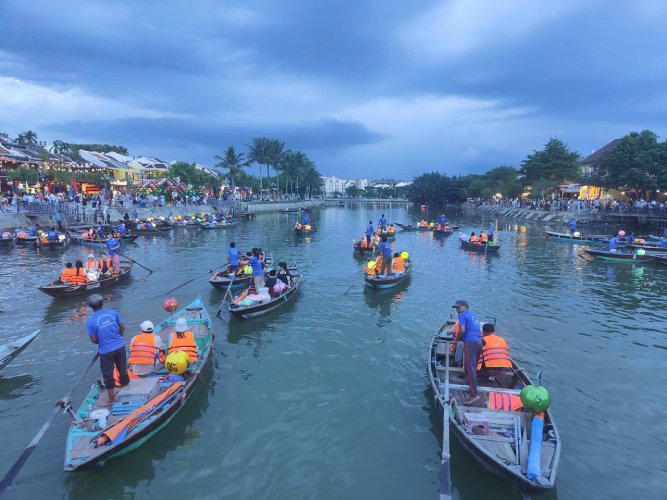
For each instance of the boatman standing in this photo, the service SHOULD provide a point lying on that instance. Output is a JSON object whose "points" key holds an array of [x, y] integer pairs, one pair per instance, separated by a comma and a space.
{"points": [[112, 246], [305, 219], [369, 232], [257, 270], [382, 223], [233, 256], [471, 334], [442, 220], [573, 225], [492, 229], [106, 328], [385, 251], [613, 244]]}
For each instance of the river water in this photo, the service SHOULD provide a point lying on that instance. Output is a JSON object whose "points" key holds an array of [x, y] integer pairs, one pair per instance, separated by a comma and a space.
{"points": [[328, 398]]}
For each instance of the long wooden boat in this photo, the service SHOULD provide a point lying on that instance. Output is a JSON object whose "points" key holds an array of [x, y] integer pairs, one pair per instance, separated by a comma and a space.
{"points": [[7, 242], [290, 210], [648, 248], [58, 244], [358, 248], [217, 225], [58, 290], [381, 282], [479, 247], [304, 231], [629, 257], [252, 311], [12, 349], [498, 440], [222, 281], [660, 258], [567, 237], [410, 227], [443, 232], [128, 238], [150, 232], [27, 240], [144, 406]]}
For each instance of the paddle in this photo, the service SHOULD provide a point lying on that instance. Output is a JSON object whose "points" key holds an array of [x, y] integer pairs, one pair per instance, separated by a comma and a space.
{"points": [[135, 262], [445, 473], [217, 315], [190, 281], [14, 470]]}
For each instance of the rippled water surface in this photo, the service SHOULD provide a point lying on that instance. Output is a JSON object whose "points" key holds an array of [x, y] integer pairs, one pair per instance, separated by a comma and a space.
{"points": [[328, 397]]}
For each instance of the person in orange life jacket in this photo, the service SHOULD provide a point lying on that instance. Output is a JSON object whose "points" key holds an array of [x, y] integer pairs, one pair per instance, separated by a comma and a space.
{"points": [[105, 265], [471, 335], [483, 238], [398, 264], [183, 339], [106, 329], [473, 238], [147, 351], [79, 275], [495, 362], [385, 251], [91, 264], [66, 274]]}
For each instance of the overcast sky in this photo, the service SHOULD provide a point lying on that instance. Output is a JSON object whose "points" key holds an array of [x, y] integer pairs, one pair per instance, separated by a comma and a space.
{"points": [[379, 88]]}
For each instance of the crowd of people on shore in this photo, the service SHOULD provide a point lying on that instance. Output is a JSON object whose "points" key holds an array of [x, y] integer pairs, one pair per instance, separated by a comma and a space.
{"points": [[639, 206]]}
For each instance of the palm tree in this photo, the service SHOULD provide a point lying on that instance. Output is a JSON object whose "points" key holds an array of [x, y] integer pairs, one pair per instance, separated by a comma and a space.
{"points": [[277, 149], [232, 162], [259, 152], [59, 147], [28, 138]]}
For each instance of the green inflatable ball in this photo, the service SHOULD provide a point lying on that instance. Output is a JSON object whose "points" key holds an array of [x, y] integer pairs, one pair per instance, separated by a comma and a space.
{"points": [[535, 398]]}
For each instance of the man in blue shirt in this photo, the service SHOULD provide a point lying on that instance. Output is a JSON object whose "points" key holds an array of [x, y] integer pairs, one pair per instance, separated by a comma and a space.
{"points": [[492, 229], [385, 251], [306, 219], [112, 246], [233, 256], [382, 223], [471, 334], [52, 235], [257, 270], [59, 220], [369, 232], [106, 328], [613, 244], [442, 220], [32, 231], [573, 225]]}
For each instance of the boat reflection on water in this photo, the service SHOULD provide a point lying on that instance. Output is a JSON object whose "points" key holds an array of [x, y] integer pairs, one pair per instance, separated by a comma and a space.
{"points": [[14, 387], [385, 300]]}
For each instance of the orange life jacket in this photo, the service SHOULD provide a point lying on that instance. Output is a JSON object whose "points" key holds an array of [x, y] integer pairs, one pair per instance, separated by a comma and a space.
{"points": [[504, 402], [143, 350], [78, 277], [495, 354], [66, 274], [391, 230], [186, 344], [92, 265], [483, 238], [474, 239], [105, 262], [398, 264], [116, 376]]}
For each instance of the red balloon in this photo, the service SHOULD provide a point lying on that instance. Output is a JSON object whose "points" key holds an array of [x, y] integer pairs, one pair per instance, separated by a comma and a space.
{"points": [[170, 305]]}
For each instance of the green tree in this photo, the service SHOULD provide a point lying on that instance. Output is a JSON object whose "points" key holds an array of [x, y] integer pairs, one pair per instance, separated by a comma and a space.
{"points": [[23, 174], [637, 162], [4, 135], [276, 157], [554, 164], [433, 188], [190, 174], [259, 151], [232, 161], [354, 191], [27, 138]]}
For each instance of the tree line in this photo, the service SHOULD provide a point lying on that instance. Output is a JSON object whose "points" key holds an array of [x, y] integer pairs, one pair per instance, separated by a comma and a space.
{"points": [[637, 164]]}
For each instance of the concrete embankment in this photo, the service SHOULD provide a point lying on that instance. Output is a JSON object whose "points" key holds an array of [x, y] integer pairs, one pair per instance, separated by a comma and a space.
{"points": [[528, 215]]}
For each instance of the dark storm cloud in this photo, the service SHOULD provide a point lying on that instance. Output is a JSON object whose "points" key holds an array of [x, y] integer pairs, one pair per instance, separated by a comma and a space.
{"points": [[341, 77]]}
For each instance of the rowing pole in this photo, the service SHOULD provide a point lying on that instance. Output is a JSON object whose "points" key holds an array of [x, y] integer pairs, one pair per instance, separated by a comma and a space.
{"points": [[14, 470]]}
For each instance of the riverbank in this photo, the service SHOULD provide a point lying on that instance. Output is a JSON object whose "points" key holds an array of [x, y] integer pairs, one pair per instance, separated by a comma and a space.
{"points": [[528, 215]]}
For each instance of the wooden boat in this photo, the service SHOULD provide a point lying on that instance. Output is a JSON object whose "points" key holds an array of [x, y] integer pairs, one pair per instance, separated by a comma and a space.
{"points": [[148, 232], [58, 290], [479, 247], [7, 242], [58, 244], [128, 238], [26, 240], [498, 440], [382, 282], [358, 248], [217, 225], [443, 232], [582, 238], [660, 258], [251, 311], [298, 231], [143, 407], [12, 349], [223, 281], [609, 256], [647, 248], [409, 227], [290, 210]]}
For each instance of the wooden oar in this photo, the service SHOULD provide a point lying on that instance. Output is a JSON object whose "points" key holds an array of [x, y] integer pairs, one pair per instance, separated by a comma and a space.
{"points": [[217, 315], [445, 473], [135, 262], [14, 470], [190, 281]]}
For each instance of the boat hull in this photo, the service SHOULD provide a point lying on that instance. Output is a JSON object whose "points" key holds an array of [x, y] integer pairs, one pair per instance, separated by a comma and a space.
{"points": [[630, 258], [239, 282], [12, 349], [6, 242], [472, 247], [382, 283], [59, 290], [267, 307]]}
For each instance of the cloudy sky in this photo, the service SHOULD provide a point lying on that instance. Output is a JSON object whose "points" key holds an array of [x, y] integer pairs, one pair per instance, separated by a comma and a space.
{"points": [[377, 88]]}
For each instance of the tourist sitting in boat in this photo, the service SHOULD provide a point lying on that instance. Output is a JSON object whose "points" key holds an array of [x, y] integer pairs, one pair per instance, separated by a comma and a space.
{"points": [[66, 274], [297, 225], [398, 264], [494, 360], [92, 268], [147, 351], [283, 274], [422, 223], [183, 340], [473, 238], [307, 227], [105, 265], [391, 230], [483, 238], [78, 277]]}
